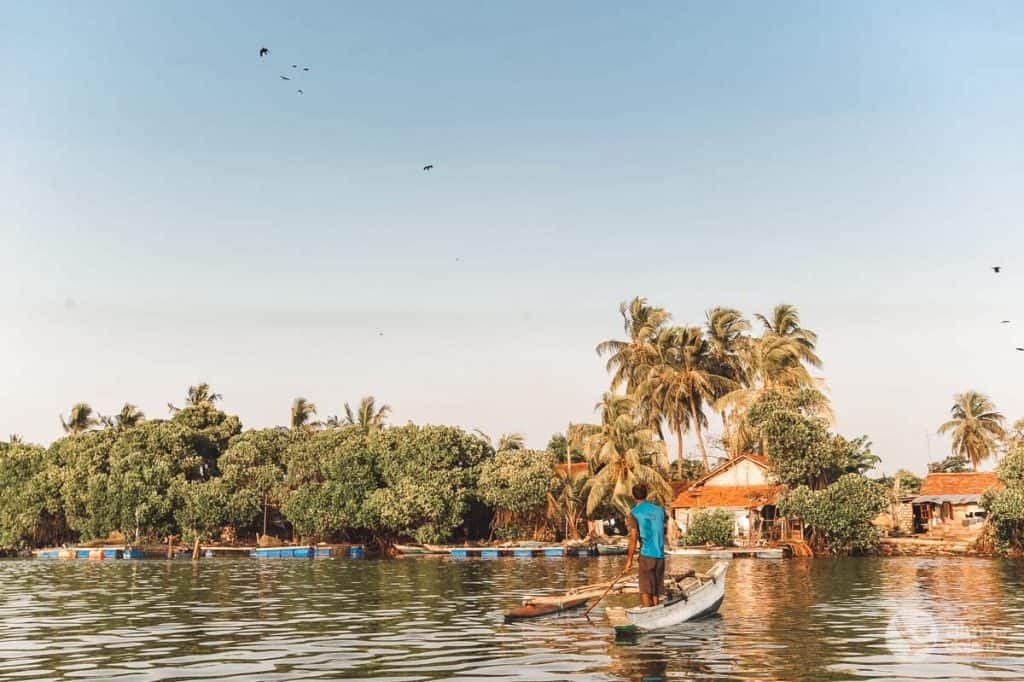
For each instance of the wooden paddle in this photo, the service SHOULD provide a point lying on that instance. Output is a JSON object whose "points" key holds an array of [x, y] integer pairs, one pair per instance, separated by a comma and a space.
{"points": [[586, 614]]}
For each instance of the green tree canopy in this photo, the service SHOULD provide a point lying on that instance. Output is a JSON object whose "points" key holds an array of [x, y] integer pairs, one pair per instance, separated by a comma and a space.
{"points": [[330, 476], [429, 476], [841, 515], [518, 480], [30, 505], [253, 470], [952, 464]]}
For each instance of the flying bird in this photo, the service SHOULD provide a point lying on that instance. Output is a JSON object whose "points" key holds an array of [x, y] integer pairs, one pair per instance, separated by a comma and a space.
{"points": [[428, 167], [305, 68], [264, 52], [1004, 322], [285, 78], [997, 268], [299, 91], [295, 66], [1020, 349]]}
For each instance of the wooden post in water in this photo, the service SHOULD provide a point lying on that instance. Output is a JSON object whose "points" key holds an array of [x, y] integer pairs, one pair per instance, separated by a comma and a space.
{"points": [[195, 549]]}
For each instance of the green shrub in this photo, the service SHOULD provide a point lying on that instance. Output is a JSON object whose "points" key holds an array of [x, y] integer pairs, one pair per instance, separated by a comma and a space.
{"points": [[841, 514], [715, 527]]}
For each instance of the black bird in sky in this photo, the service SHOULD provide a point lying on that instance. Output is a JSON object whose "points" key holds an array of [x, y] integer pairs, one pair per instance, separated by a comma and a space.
{"points": [[428, 167], [1004, 322], [299, 91], [285, 78], [1020, 349], [305, 68], [295, 66], [997, 268], [264, 52]]}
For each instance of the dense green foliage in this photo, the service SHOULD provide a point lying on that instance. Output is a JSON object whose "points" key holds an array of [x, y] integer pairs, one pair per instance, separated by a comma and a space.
{"points": [[197, 474], [953, 464], [518, 480], [909, 482], [429, 476], [840, 514], [713, 527], [30, 502], [330, 475], [1006, 506], [802, 451], [519, 484]]}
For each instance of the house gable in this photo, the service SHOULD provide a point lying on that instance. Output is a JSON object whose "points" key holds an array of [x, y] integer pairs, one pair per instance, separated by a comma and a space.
{"points": [[743, 471]]}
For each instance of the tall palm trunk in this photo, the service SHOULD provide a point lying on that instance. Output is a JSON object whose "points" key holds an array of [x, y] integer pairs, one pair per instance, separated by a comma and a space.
{"points": [[679, 440], [726, 436], [700, 436]]}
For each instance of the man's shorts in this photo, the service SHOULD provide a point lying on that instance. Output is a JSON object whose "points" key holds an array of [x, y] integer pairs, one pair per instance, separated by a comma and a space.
{"points": [[652, 575]]}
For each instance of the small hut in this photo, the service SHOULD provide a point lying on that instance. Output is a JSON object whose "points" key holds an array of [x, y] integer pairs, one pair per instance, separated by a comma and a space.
{"points": [[950, 501]]}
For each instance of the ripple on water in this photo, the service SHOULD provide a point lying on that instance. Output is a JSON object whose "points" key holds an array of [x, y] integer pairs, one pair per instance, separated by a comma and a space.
{"points": [[432, 618]]}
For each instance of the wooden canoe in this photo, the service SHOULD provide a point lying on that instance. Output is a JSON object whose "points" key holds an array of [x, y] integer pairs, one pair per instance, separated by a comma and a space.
{"points": [[545, 607]]}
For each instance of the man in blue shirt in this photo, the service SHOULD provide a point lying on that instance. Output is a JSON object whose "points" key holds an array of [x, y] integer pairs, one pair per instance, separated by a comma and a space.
{"points": [[647, 524]]}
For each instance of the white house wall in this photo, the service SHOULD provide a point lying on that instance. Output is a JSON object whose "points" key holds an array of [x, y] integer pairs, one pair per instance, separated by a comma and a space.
{"points": [[743, 472]]}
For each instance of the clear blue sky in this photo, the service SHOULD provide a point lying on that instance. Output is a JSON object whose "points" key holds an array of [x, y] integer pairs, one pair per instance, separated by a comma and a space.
{"points": [[171, 211]]}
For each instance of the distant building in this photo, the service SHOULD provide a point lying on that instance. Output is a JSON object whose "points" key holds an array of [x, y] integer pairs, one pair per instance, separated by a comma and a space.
{"points": [[741, 486], [950, 501]]}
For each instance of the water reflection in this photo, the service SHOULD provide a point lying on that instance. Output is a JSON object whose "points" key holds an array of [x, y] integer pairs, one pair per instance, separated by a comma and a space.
{"points": [[435, 618]]}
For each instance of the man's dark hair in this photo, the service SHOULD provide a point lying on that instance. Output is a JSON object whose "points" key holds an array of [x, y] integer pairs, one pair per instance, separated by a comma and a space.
{"points": [[639, 492]]}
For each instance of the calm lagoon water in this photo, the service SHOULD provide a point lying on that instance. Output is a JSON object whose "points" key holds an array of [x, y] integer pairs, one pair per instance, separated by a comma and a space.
{"points": [[434, 618]]}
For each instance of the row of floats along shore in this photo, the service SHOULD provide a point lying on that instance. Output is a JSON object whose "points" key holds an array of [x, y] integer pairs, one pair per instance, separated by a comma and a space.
{"points": [[211, 551], [581, 551], [520, 552]]}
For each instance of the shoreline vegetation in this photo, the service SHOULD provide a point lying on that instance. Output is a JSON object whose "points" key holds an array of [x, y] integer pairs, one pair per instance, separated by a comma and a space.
{"points": [[197, 476]]}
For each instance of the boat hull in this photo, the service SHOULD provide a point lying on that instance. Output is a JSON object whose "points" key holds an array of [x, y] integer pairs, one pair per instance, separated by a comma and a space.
{"points": [[701, 602]]}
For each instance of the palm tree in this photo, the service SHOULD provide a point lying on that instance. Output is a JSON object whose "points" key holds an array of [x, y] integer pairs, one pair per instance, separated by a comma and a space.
{"points": [[15, 439], [80, 419], [198, 396], [511, 441], [629, 360], [682, 381], [334, 422], [201, 395], [129, 417], [622, 453], [726, 331], [567, 504], [770, 363], [302, 413], [976, 427], [368, 417], [785, 323]]}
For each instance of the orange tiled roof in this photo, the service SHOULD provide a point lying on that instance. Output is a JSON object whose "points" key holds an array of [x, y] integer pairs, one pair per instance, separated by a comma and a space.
{"points": [[972, 483], [737, 496]]}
